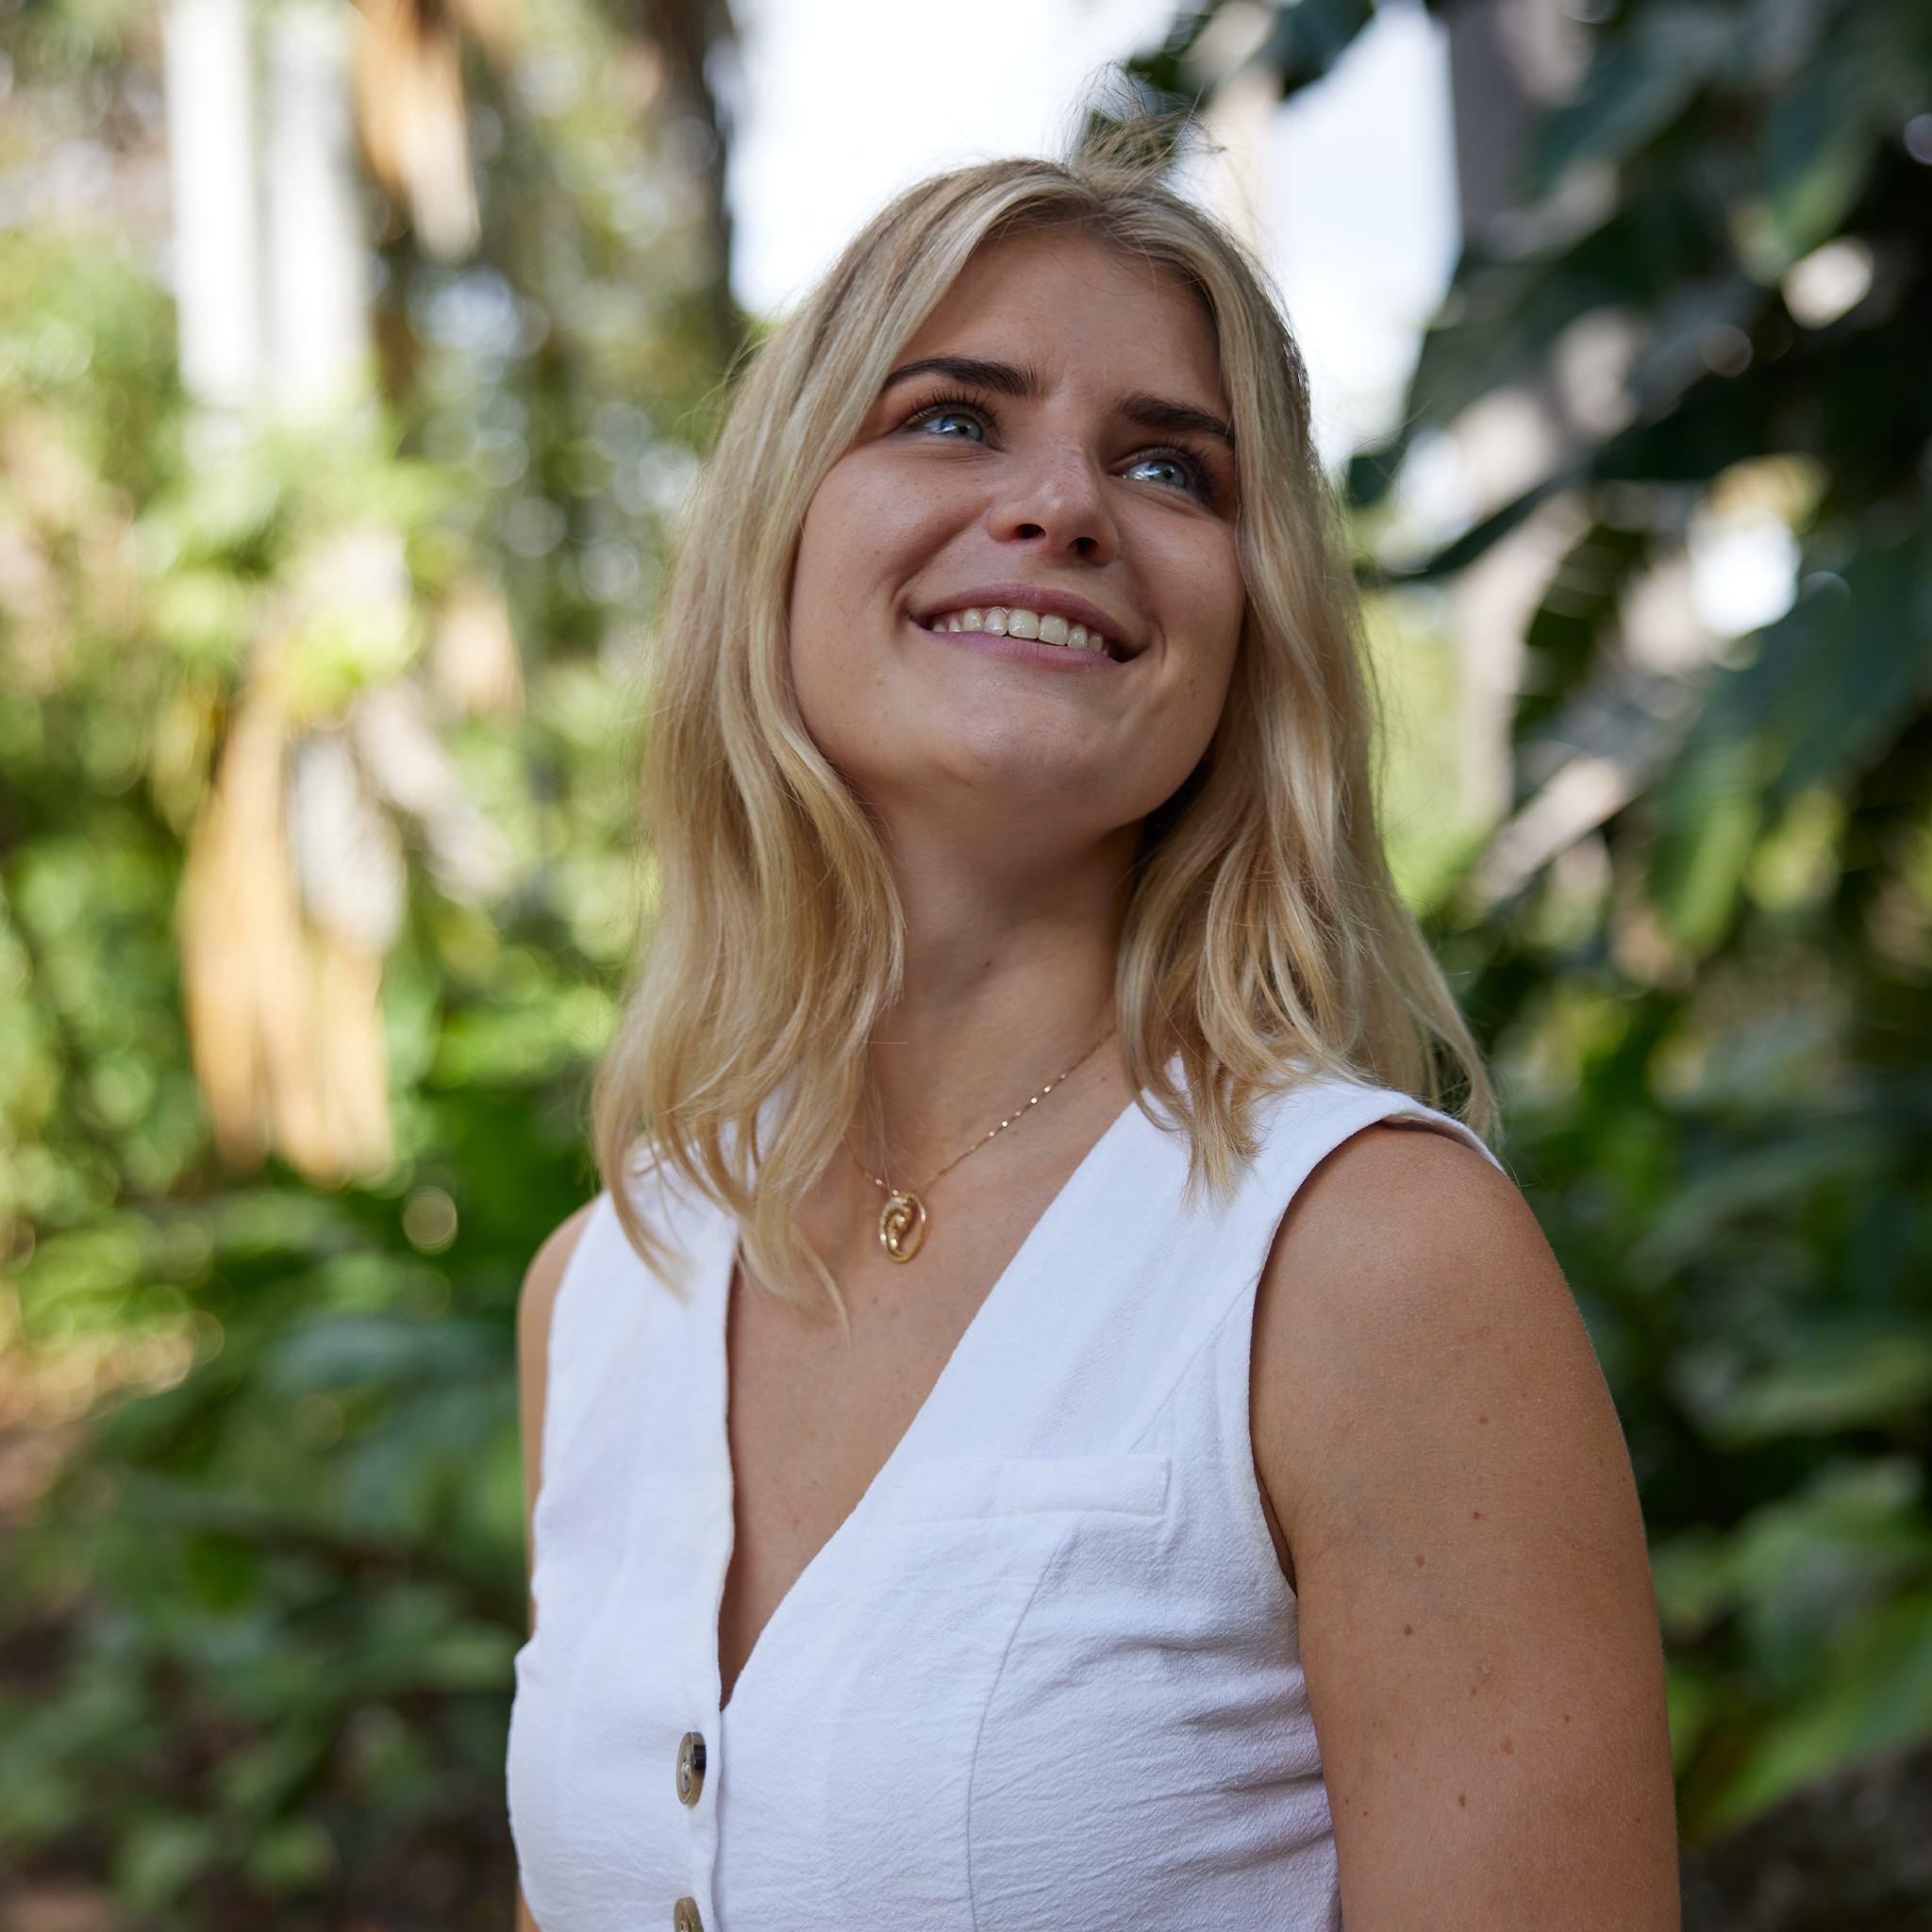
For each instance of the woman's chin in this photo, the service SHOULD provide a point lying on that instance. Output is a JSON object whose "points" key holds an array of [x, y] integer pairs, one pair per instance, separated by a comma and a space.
{"points": [[1034, 794]]}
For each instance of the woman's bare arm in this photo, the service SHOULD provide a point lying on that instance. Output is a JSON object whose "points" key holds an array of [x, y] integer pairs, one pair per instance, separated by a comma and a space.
{"points": [[1476, 1619], [534, 1306]]}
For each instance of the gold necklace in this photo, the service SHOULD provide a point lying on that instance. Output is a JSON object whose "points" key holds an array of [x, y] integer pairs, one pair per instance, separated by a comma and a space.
{"points": [[903, 1220]]}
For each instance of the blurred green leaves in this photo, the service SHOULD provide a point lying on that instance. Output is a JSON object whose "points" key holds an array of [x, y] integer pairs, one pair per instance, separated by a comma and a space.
{"points": [[255, 1640], [1709, 990], [1831, 1592], [1734, 1175]]}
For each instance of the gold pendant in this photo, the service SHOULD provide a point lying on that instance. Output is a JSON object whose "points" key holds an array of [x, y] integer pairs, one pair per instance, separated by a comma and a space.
{"points": [[902, 1226]]}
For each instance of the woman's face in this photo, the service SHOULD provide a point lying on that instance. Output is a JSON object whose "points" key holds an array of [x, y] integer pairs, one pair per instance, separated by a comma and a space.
{"points": [[1050, 456]]}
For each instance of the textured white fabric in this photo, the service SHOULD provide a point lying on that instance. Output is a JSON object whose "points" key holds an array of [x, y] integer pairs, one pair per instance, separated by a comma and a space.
{"points": [[1044, 1676]]}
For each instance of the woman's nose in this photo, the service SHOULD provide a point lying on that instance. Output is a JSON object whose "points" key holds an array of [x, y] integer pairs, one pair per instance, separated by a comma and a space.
{"points": [[1057, 499]]}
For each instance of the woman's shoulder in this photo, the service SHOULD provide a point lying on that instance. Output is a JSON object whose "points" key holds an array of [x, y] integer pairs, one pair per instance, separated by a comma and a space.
{"points": [[1410, 1275], [1409, 1181], [1405, 1251], [1402, 1201]]}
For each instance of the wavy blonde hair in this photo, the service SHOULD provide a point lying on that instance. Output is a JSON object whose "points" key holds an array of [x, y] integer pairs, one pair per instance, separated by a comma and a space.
{"points": [[1263, 940]]}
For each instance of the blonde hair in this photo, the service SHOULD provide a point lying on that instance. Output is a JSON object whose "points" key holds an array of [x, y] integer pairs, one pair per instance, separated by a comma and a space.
{"points": [[1263, 940]]}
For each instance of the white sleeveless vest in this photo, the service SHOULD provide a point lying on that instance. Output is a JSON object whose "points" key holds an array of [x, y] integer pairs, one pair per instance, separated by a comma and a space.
{"points": [[1045, 1676]]}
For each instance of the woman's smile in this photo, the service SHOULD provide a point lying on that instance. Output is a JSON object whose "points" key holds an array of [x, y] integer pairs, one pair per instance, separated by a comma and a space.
{"points": [[1013, 614]]}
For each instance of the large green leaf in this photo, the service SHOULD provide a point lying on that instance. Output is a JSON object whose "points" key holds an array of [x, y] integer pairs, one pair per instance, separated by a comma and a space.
{"points": [[1642, 80]]}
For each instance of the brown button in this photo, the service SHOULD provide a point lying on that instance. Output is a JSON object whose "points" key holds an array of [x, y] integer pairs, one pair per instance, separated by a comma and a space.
{"points": [[684, 1916], [690, 1776]]}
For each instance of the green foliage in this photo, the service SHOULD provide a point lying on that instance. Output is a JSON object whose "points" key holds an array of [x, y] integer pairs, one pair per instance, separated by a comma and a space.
{"points": [[1730, 1159], [1713, 1014], [282, 1595], [255, 1643], [1303, 42], [1738, 1201]]}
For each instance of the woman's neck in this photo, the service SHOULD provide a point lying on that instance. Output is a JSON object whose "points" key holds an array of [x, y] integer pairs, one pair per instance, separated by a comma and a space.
{"points": [[1009, 979]]}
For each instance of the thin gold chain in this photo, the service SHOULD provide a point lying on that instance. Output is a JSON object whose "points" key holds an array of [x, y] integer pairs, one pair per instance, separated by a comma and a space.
{"points": [[993, 1133]]}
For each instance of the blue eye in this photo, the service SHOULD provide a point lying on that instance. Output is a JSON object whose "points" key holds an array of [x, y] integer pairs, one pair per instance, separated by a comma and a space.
{"points": [[1170, 472], [958, 424]]}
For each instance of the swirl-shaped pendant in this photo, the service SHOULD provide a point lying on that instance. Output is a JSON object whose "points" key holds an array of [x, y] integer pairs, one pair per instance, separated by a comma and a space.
{"points": [[902, 1226]]}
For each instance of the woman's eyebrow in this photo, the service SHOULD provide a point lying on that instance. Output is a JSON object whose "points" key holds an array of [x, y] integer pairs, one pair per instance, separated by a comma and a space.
{"points": [[1003, 378], [1177, 419]]}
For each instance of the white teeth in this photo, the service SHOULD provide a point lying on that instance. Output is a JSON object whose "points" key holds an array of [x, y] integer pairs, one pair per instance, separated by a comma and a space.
{"points": [[996, 622]]}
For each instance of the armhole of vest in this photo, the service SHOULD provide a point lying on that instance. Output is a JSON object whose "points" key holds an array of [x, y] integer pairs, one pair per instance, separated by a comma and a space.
{"points": [[602, 1210], [1417, 1119]]}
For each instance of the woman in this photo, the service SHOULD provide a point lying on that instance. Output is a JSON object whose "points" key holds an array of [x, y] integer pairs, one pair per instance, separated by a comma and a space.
{"points": [[1029, 1439]]}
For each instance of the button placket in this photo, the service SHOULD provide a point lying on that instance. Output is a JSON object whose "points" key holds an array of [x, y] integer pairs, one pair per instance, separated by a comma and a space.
{"points": [[685, 1916]]}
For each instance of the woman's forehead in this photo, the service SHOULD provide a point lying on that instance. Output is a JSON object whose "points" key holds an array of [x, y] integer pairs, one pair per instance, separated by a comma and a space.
{"points": [[1062, 292]]}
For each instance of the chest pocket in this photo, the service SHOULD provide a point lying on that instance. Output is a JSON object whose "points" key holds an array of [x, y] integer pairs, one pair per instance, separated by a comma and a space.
{"points": [[849, 1763], [1034, 1485]]}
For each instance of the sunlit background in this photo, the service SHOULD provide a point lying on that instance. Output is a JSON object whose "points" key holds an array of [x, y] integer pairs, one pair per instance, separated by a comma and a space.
{"points": [[356, 362], [1347, 191]]}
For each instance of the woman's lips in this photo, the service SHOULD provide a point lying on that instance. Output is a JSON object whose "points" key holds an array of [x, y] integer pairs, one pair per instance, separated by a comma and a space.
{"points": [[1024, 650]]}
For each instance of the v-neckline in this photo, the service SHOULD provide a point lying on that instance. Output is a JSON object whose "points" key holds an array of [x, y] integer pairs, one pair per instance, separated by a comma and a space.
{"points": [[996, 1296]]}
